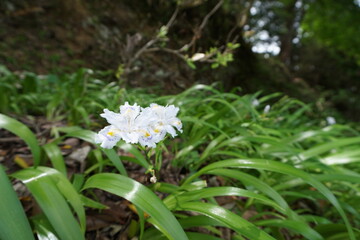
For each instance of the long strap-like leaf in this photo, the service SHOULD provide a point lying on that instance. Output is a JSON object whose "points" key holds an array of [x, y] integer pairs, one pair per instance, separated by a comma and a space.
{"points": [[142, 197], [13, 221], [24, 133]]}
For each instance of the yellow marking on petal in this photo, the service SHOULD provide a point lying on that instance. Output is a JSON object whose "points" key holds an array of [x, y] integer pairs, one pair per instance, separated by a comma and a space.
{"points": [[157, 130], [111, 133], [147, 134]]}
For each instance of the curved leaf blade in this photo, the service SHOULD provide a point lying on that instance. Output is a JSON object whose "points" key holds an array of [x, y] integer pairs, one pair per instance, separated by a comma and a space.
{"points": [[52, 202], [24, 133], [228, 218], [55, 156], [13, 221], [280, 168], [219, 191], [295, 226], [89, 136], [142, 197]]}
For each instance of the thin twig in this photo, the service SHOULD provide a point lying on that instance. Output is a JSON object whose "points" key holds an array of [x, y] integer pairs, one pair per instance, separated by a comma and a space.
{"points": [[207, 17], [201, 27], [168, 50], [173, 17], [244, 13], [146, 47], [11, 139], [231, 33], [152, 41]]}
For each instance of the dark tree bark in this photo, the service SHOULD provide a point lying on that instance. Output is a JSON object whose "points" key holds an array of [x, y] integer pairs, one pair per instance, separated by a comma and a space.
{"points": [[289, 34], [73, 9]]}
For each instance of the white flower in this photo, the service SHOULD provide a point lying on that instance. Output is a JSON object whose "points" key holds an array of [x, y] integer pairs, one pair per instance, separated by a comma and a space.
{"points": [[267, 109], [255, 102], [166, 119], [125, 121], [330, 120], [133, 124]]}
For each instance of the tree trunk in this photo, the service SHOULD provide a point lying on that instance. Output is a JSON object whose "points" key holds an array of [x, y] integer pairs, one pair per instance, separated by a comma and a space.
{"points": [[289, 35]]}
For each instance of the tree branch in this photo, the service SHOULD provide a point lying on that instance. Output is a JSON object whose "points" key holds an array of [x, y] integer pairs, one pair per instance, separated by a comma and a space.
{"points": [[152, 41], [201, 27]]}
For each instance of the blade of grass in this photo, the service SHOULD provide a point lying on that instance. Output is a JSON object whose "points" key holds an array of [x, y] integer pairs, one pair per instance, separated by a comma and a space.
{"points": [[226, 217], [48, 190], [142, 197], [138, 155], [13, 221], [172, 200], [43, 228], [295, 226], [88, 202], [68, 191], [318, 150], [89, 136], [55, 156], [115, 159], [281, 168], [24, 133]]}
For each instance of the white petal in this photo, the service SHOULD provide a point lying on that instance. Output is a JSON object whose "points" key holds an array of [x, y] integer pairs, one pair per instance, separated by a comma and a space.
{"points": [[171, 111], [131, 111], [170, 130], [108, 137], [177, 123], [110, 116], [267, 109]]}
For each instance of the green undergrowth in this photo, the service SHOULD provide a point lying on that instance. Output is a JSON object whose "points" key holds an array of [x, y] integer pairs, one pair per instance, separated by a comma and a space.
{"points": [[75, 97], [284, 172]]}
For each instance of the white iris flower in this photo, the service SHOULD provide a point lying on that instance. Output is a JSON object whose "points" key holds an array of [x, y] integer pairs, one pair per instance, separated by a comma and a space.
{"points": [[146, 126]]}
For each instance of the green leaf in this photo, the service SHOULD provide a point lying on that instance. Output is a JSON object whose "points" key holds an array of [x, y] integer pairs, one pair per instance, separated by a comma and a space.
{"points": [[191, 64], [200, 236], [281, 168], [295, 226], [348, 156], [77, 132], [139, 157], [13, 221], [318, 150], [198, 221], [91, 203], [191, 236], [49, 188], [258, 184], [24, 133], [329, 231], [226, 217], [89, 136], [55, 156], [142, 197], [172, 200], [115, 159], [43, 229]]}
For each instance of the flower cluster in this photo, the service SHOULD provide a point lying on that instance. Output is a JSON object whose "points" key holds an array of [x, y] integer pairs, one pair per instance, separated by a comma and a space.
{"points": [[146, 126]]}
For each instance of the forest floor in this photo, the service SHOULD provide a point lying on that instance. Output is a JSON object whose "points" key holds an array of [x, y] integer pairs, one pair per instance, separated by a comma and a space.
{"points": [[111, 223]]}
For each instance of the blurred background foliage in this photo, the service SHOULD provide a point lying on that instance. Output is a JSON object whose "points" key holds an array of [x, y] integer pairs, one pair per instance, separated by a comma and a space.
{"points": [[308, 49]]}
